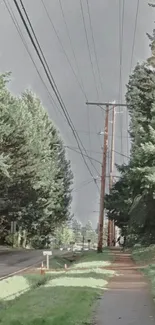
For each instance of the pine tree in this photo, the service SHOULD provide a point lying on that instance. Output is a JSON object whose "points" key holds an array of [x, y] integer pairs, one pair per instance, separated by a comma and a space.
{"points": [[35, 183], [77, 230], [133, 196]]}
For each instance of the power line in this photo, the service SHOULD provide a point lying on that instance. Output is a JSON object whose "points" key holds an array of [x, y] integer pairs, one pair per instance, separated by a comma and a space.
{"points": [[121, 34], [99, 152], [123, 16], [51, 80], [87, 150], [71, 45], [84, 154], [82, 186], [93, 39], [62, 105], [15, 22], [88, 156], [80, 83], [95, 134], [95, 52], [119, 153], [134, 36], [133, 48], [10, 11], [89, 131], [61, 44], [121, 37], [89, 53]]}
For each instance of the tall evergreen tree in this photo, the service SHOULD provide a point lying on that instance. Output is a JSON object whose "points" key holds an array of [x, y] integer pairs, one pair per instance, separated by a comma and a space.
{"points": [[133, 196], [35, 184]]}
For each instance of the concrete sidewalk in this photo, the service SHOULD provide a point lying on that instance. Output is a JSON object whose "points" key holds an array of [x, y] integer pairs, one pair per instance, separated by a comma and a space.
{"points": [[127, 300]]}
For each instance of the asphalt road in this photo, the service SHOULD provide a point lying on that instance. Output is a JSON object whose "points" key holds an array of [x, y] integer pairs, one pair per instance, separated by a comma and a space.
{"points": [[16, 260]]}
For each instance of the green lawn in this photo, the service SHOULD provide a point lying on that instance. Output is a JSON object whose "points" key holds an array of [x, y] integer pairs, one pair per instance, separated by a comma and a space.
{"points": [[149, 271], [51, 306], [61, 298], [144, 255], [58, 262]]}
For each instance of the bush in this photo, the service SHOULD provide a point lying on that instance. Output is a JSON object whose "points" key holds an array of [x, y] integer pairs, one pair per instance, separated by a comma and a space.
{"points": [[39, 242], [36, 281], [9, 240], [131, 240]]}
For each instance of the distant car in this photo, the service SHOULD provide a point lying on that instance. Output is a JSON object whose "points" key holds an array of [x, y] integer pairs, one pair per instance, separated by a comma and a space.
{"points": [[61, 248]]}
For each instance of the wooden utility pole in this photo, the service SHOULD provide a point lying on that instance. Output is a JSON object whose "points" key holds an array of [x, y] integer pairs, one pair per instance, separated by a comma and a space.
{"points": [[104, 161], [111, 226], [103, 180], [112, 149]]}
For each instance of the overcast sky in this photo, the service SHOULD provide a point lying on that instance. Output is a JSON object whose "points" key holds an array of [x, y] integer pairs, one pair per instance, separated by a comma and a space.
{"points": [[105, 24]]}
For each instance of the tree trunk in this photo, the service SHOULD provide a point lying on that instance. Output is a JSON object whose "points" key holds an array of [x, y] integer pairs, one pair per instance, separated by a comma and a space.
{"points": [[19, 237], [24, 238]]}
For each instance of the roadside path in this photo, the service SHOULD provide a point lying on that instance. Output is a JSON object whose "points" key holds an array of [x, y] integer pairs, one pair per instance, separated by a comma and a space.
{"points": [[127, 300]]}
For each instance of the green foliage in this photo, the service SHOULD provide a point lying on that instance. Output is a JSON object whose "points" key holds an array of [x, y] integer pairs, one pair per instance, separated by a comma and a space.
{"points": [[63, 236], [132, 200], [144, 255], [84, 233], [90, 234], [77, 230], [36, 178], [118, 201], [37, 280], [73, 232]]}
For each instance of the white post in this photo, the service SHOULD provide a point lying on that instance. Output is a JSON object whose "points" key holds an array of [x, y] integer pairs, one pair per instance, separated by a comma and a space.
{"points": [[47, 262], [47, 254]]}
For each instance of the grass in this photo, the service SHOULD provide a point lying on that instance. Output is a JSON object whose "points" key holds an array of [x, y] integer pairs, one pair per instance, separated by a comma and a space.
{"points": [[92, 259], [95, 273], [54, 306], [58, 262], [149, 271], [37, 280], [13, 287], [71, 259], [144, 255], [61, 298]]}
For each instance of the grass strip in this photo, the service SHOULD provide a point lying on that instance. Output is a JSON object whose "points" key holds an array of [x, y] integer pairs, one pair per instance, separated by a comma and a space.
{"points": [[64, 299]]}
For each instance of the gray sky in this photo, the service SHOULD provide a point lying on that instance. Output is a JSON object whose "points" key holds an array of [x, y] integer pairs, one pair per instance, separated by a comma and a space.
{"points": [[105, 22]]}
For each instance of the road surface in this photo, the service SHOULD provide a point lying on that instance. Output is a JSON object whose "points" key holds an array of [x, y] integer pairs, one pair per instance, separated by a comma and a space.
{"points": [[16, 260]]}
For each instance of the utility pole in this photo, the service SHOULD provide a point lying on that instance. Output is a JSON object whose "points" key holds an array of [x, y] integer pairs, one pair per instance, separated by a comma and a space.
{"points": [[104, 161], [112, 149], [111, 226], [103, 180]]}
